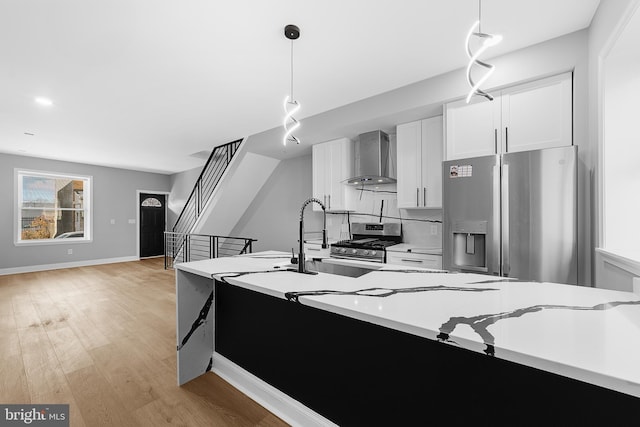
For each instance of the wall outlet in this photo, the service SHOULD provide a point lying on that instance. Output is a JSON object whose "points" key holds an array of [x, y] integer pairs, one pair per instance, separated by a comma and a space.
{"points": [[132, 221], [69, 251], [113, 221]]}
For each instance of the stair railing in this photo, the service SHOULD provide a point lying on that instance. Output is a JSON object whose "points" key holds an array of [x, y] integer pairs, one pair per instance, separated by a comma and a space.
{"points": [[205, 185], [180, 247]]}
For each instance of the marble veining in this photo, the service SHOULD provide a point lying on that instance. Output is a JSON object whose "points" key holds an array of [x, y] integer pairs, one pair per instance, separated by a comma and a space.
{"points": [[223, 276], [481, 323], [382, 292], [585, 333], [200, 320]]}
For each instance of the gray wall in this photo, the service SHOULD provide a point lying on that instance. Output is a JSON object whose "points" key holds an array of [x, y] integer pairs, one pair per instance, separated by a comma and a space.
{"points": [[273, 216], [114, 197]]}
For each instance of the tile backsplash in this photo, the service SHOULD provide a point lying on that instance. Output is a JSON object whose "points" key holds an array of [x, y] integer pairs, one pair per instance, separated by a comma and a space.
{"points": [[422, 227]]}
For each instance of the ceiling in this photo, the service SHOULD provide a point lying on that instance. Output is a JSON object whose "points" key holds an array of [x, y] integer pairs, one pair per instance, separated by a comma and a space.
{"points": [[146, 84]]}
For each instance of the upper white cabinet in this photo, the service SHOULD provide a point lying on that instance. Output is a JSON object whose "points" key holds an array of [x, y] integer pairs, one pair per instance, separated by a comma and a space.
{"points": [[525, 117], [419, 146], [332, 166], [472, 129]]}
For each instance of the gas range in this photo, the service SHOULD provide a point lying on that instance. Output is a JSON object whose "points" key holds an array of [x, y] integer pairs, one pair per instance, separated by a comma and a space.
{"points": [[369, 242]]}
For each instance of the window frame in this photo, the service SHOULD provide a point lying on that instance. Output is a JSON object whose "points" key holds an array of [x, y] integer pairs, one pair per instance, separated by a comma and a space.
{"points": [[87, 195]]}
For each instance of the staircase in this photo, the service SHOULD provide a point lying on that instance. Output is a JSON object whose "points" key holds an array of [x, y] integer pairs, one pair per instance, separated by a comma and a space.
{"points": [[181, 244], [205, 185]]}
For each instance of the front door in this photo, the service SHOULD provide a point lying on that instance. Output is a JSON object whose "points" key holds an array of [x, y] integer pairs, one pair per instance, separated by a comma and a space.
{"points": [[152, 224]]}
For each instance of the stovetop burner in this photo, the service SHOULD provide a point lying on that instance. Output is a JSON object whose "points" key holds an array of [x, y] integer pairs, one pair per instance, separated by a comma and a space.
{"points": [[365, 243], [369, 242]]}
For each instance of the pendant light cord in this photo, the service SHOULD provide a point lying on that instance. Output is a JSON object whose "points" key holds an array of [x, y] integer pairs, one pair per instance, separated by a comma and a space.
{"points": [[292, 98], [479, 16]]}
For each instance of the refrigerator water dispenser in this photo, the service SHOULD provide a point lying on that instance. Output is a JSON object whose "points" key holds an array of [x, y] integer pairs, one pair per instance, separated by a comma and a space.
{"points": [[469, 245]]}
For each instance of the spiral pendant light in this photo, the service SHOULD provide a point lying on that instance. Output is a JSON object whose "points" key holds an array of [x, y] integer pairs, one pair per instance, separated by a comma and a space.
{"points": [[291, 106], [486, 41]]}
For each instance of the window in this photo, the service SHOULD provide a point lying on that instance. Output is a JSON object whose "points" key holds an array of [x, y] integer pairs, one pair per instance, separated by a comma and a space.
{"points": [[52, 208], [151, 202], [621, 175]]}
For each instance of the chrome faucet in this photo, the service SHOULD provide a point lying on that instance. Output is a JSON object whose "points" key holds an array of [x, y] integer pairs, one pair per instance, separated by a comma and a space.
{"points": [[301, 260]]}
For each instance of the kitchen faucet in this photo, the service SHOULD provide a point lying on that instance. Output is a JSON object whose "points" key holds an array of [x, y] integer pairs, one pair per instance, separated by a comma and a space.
{"points": [[301, 261]]}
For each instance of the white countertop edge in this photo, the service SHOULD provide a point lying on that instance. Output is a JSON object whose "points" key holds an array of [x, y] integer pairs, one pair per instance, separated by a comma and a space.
{"points": [[604, 380], [612, 383], [190, 269], [618, 384], [265, 291]]}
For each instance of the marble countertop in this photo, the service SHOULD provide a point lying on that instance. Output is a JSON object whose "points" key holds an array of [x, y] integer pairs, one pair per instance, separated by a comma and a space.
{"points": [[589, 334]]}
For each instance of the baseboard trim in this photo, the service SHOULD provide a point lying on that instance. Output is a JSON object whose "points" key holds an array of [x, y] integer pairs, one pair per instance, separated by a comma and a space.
{"points": [[280, 404], [58, 266]]}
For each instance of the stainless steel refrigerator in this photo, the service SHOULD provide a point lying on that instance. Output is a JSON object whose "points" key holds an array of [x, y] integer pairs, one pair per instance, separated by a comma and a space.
{"points": [[512, 215]]}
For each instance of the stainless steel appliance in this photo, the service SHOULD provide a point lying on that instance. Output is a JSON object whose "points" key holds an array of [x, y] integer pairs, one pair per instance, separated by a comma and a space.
{"points": [[369, 241], [512, 215], [372, 159]]}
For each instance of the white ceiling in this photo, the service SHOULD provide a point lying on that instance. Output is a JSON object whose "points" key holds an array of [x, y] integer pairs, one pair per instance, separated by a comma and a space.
{"points": [[143, 84]]}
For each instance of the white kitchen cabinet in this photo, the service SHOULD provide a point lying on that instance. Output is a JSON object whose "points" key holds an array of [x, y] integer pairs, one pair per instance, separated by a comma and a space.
{"points": [[414, 259], [530, 116], [472, 129], [332, 166], [419, 156]]}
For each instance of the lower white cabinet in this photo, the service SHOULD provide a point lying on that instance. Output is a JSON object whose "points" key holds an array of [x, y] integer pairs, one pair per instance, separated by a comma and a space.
{"points": [[414, 259]]}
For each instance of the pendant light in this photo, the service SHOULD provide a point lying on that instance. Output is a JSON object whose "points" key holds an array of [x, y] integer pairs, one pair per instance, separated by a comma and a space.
{"points": [[487, 40], [291, 106]]}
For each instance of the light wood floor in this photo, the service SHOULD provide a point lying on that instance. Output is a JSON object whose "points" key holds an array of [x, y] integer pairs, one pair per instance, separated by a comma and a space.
{"points": [[102, 339]]}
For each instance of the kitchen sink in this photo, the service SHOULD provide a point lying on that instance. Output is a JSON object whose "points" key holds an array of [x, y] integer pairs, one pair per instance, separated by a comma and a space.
{"points": [[339, 269]]}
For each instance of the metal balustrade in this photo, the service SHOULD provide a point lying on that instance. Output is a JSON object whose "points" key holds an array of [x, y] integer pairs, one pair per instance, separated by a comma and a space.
{"points": [[181, 247], [205, 185], [180, 244]]}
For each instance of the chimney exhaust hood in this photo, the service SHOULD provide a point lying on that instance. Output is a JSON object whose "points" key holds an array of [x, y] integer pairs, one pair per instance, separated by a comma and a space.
{"points": [[372, 159]]}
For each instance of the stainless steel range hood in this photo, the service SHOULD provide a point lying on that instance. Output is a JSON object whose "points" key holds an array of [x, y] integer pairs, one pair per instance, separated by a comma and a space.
{"points": [[372, 159]]}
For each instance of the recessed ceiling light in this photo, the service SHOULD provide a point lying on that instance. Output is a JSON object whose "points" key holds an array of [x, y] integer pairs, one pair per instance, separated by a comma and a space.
{"points": [[44, 101]]}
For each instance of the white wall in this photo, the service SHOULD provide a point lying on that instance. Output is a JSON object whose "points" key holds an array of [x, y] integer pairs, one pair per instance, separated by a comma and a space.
{"points": [[273, 216], [610, 271], [621, 156], [181, 187], [114, 197], [425, 98]]}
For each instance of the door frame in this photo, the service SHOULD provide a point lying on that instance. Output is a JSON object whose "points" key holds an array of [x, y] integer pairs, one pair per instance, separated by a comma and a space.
{"points": [[138, 201]]}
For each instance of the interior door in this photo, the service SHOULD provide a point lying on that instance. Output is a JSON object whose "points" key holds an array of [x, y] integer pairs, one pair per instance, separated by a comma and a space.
{"points": [[152, 224]]}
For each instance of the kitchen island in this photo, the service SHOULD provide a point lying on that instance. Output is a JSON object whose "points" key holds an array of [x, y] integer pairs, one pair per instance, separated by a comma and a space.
{"points": [[401, 346]]}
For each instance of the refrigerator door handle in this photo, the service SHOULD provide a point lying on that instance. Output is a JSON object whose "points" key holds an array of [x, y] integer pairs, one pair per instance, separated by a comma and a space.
{"points": [[505, 221], [417, 197], [496, 244], [506, 139]]}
